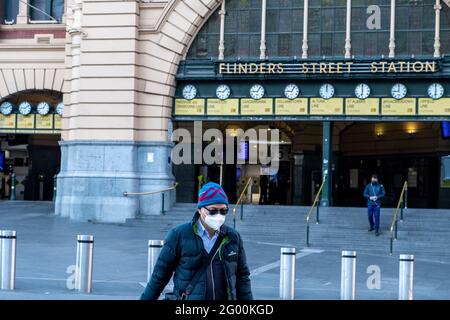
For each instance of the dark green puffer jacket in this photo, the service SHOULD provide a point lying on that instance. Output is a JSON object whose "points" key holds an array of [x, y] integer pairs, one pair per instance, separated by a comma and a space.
{"points": [[183, 252]]}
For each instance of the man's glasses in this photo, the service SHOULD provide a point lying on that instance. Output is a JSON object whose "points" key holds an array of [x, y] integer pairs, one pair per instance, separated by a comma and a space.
{"points": [[213, 212]]}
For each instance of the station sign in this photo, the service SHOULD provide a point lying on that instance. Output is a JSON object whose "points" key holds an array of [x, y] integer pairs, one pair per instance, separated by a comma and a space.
{"points": [[217, 107], [251, 107], [432, 107], [319, 106], [32, 123], [25, 123], [362, 107], [194, 107], [298, 106], [7, 123], [394, 107], [283, 107], [414, 66], [57, 122], [44, 122]]}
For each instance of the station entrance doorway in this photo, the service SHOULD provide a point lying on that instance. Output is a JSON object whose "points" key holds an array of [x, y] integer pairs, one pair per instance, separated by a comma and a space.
{"points": [[397, 151], [34, 160], [30, 156], [267, 185]]}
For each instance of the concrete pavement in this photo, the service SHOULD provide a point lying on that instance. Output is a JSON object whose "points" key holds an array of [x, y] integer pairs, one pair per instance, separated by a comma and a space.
{"points": [[46, 247]]}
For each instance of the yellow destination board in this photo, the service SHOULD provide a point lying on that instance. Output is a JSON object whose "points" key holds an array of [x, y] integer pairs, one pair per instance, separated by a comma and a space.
{"points": [[431, 107], [7, 123], [394, 107], [57, 121], [251, 107], [362, 107], [44, 122], [217, 107], [297, 106], [194, 107], [25, 122], [319, 106]]}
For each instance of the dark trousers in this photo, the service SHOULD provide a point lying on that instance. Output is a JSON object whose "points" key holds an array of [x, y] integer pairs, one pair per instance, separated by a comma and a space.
{"points": [[263, 196], [373, 211]]}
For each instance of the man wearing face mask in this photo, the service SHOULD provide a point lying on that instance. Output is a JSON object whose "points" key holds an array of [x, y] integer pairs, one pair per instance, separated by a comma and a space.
{"points": [[206, 257], [373, 193]]}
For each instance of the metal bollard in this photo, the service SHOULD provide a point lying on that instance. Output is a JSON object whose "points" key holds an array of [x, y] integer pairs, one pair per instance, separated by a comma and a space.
{"points": [[13, 187], [7, 259], [154, 249], [406, 277], [348, 275], [162, 203], [84, 263], [287, 273]]}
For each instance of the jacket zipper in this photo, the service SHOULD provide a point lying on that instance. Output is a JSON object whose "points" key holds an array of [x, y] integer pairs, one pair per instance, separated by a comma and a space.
{"points": [[212, 274]]}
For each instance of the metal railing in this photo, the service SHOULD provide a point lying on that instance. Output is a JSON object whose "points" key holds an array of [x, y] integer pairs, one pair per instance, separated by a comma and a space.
{"points": [[311, 210], [240, 201], [126, 194], [401, 206]]}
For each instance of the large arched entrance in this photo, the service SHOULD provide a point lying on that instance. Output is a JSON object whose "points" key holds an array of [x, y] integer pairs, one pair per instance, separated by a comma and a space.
{"points": [[313, 68], [30, 125]]}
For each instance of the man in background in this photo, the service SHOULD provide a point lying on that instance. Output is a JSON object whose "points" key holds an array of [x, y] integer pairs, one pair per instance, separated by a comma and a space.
{"points": [[373, 192]]}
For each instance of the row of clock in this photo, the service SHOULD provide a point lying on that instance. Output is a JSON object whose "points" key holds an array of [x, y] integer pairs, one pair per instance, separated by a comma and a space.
{"points": [[326, 91], [25, 108]]}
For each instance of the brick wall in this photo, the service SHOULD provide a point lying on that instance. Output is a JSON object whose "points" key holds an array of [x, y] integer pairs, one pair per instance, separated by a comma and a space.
{"points": [[29, 33]]}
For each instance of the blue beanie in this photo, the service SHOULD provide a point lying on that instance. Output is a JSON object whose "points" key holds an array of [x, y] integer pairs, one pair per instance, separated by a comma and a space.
{"points": [[211, 193]]}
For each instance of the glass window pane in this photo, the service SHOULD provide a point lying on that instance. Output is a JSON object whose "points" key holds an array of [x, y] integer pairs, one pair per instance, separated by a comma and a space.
{"points": [[10, 11], [339, 44], [57, 9], [44, 7], [326, 28]]}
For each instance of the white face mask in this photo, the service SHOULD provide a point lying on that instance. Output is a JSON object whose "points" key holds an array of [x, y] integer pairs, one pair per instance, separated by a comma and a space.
{"points": [[215, 221]]}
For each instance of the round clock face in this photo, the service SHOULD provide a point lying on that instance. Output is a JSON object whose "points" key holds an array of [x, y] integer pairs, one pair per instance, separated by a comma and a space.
{"points": [[6, 108], [291, 91], [399, 91], [189, 92], [25, 108], [435, 91], [257, 91], [223, 92], [326, 91], [362, 91], [43, 108], [59, 108]]}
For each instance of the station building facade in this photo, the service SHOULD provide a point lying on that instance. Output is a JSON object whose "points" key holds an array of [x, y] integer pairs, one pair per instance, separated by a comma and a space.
{"points": [[92, 91]]}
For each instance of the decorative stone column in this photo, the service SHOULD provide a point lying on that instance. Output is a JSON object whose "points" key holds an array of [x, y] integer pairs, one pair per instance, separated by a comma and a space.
{"points": [[392, 31], [22, 16], [437, 31], [222, 13], [348, 28], [262, 47], [305, 30]]}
